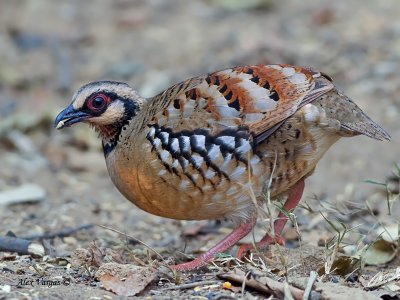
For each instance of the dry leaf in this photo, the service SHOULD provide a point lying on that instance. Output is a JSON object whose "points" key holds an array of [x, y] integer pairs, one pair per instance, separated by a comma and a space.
{"points": [[128, 287], [332, 291], [342, 266], [380, 252], [124, 280], [382, 278], [392, 287], [389, 233]]}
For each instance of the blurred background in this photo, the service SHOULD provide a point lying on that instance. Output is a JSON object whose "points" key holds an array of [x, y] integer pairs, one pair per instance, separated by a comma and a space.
{"points": [[52, 180]]}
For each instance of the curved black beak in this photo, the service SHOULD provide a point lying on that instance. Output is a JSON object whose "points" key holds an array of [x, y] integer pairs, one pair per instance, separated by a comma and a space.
{"points": [[69, 116]]}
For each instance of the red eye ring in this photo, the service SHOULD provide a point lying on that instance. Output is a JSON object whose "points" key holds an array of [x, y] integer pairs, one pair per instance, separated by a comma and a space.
{"points": [[98, 102]]}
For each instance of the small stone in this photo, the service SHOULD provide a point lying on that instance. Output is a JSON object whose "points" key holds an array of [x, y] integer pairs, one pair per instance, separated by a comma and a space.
{"points": [[21, 142], [70, 240], [291, 234], [25, 193], [6, 288]]}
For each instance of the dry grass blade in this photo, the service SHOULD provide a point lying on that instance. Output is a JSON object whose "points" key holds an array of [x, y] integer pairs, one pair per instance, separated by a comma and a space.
{"points": [[292, 218], [133, 238], [244, 282], [333, 245], [253, 199], [267, 200], [310, 282], [267, 196]]}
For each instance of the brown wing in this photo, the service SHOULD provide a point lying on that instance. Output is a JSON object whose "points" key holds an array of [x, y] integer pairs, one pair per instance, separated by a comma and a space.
{"points": [[258, 97]]}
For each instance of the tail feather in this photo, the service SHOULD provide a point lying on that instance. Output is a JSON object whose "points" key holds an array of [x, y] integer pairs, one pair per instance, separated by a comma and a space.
{"points": [[368, 128], [353, 121]]}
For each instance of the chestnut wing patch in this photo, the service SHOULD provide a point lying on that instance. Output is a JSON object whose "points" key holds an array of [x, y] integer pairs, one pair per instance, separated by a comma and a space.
{"points": [[258, 97]]}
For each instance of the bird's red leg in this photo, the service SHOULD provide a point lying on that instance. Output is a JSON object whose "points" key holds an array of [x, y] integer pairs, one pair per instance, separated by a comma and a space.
{"points": [[231, 239], [290, 204]]}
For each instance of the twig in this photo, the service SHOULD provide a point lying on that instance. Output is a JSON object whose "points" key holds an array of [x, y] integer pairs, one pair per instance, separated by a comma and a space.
{"points": [[224, 297], [21, 246], [263, 284], [133, 238], [310, 282], [190, 285], [288, 294], [62, 233]]}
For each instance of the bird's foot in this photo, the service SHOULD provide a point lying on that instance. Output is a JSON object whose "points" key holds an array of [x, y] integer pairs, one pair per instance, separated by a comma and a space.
{"points": [[191, 265], [266, 241], [231, 239]]}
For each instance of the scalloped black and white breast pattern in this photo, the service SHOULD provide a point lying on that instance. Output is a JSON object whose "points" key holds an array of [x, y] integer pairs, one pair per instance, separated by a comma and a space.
{"points": [[199, 159]]}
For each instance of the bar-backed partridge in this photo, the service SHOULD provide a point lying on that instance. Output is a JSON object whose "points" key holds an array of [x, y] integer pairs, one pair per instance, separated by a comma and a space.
{"points": [[201, 148]]}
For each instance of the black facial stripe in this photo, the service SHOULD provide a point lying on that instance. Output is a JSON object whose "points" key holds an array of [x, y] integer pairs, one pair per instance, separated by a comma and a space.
{"points": [[130, 110]]}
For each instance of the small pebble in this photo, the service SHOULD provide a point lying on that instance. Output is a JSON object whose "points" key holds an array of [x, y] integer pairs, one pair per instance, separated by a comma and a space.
{"points": [[23, 194]]}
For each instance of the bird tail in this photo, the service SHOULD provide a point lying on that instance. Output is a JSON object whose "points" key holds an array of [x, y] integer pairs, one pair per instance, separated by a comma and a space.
{"points": [[360, 123], [368, 128]]}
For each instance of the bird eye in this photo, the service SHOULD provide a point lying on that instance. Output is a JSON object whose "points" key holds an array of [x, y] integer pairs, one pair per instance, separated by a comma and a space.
{"points": [[98, 102]]}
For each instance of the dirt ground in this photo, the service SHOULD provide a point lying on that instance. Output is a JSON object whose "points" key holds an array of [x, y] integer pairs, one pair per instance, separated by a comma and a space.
{"points": [[54, 186]]}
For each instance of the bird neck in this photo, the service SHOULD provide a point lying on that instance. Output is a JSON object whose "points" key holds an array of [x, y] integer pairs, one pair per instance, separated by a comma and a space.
{"points": [[111, 134]]}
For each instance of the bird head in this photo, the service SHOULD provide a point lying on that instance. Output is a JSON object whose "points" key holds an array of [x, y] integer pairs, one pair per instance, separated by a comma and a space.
{"points": [[106, 105]]}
